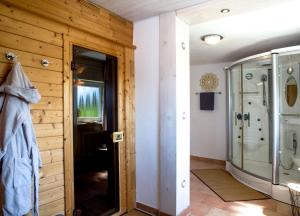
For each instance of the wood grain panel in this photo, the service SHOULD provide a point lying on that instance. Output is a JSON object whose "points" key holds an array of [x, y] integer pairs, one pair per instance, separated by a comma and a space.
{"points": [[17, 42], [68, 132], [32, 19], [48, 103], [31, 59], [90, 41], [121, 126], [48, 89], [46, 157], [52, 156], [52, 208], [47, 116], [48, 130], [23, 29], [71, 17], [34, 74], [130, 126], [51, 182], [45, 29], [52, 169], [51, 195], [47, 143]]}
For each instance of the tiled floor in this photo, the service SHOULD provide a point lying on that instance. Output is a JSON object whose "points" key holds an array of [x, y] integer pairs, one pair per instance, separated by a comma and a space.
{"points": [[205, 202]]}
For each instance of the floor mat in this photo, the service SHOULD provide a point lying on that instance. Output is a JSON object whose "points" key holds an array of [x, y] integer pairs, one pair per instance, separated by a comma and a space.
{"points": [[226, 186]]}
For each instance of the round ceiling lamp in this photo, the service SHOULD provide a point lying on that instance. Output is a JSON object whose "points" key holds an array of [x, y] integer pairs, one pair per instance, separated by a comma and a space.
{"points": [[212, 39], [225, 10]]}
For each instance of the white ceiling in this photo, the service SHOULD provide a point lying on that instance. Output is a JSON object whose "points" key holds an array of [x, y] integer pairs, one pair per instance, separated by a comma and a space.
{"points": [[252, 26], [135, 10]]}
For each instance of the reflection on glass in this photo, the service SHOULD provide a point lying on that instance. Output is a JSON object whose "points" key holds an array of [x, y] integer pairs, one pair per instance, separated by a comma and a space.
{"points": [[256, 148], [89, 102], [236, 113], [291, 91], [288, 68]]}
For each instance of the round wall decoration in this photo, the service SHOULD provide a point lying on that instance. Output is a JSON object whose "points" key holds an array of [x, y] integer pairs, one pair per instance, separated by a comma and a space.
{"points": [[209, 82]]}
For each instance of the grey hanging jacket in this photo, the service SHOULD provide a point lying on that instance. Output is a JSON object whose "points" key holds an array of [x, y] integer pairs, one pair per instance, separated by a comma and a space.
{"points": [[19, 152]]}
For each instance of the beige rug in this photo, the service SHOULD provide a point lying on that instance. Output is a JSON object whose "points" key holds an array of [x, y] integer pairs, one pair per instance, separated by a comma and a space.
{"points": [[226, 186]]}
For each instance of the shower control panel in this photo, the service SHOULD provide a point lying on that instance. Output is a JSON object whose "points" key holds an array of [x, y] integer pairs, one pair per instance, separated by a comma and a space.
{"points": [[239, 116]]}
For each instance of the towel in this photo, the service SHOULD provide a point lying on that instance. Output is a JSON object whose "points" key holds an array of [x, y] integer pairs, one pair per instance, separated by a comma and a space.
{"points": [[207, 100]]}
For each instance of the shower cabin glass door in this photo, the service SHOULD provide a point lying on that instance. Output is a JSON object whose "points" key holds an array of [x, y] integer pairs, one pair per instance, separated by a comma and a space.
{"points": [[250, 113], [237, 114], [289, 161]]}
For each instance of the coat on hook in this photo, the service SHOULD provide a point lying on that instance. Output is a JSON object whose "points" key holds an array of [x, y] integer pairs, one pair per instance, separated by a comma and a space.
{"points": [[18, 148]]}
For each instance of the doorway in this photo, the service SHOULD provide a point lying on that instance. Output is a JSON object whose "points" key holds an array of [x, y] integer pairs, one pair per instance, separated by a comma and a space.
{"points": [[96, 164]]}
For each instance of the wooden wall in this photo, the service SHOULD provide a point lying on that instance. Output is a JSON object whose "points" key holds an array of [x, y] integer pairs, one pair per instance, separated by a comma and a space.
{"points": [[44, 29]]}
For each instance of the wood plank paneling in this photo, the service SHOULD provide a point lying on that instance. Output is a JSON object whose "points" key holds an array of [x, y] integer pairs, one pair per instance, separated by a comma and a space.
{"points": [[46, 29], [17, 42], [68, 132], [51, 182], [47, 143], [47, 116], [48, 130], [49, 103], [51, 195], [130, 125], [23, 29], [35, 75], [30, 18], [49, 89], [52, 208], [69, 15], [52, 156], [52, 169], [32, 60]]}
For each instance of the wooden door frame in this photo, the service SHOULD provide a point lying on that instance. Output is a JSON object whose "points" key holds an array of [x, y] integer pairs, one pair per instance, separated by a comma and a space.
{"points": [[125, 173]]}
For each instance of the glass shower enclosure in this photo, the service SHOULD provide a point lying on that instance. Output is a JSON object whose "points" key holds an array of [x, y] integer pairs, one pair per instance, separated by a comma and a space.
{"points": [[264, 115], [250, 116]]}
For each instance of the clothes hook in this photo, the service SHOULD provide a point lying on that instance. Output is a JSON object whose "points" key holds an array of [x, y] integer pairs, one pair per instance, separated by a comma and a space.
{"points": [[45, 62], [10, 56]]}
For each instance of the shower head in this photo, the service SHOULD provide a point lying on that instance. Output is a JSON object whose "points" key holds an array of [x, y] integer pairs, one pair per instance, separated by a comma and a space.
{"points": [[264, 78]]}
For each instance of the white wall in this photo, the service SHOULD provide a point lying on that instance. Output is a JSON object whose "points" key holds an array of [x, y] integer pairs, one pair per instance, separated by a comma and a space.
{"points": [[146, 39], [208, 128], [174, 114], [162, 113], [183, 115]]}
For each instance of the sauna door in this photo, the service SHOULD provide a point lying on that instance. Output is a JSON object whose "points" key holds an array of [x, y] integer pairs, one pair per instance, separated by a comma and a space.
{"points": [[96, 181]]}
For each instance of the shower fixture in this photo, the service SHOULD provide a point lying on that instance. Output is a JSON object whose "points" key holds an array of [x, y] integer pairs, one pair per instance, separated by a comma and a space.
{"points": [[290, 70], [264, 78], [295, 143]]}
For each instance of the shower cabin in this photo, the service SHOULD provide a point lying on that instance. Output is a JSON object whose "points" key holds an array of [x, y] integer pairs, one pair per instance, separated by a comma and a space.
{"points": [[264, 121]]}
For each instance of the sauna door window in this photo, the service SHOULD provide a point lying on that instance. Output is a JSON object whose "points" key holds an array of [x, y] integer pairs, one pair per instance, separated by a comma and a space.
{"points": [[96, 165]]}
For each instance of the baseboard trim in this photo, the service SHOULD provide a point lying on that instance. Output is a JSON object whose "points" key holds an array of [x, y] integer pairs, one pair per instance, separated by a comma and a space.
{"points": [[221, 162], [147, 209], [153, 211]]}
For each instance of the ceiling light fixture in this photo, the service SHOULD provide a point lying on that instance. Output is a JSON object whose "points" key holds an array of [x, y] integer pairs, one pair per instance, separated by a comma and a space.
{"points": [[225, 10], [212, 39]]}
